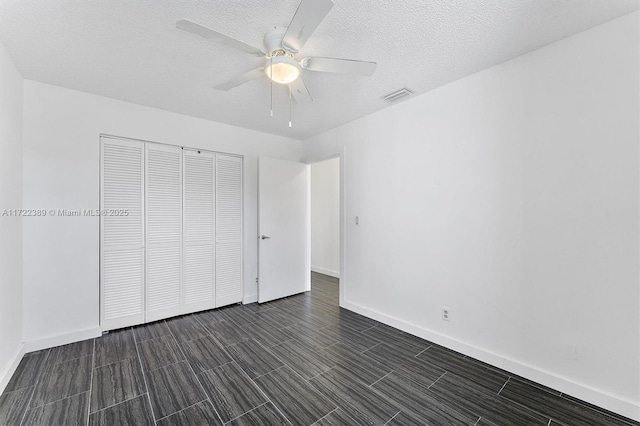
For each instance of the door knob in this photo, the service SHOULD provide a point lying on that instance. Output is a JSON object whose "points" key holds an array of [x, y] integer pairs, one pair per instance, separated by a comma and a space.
{"points": [[264, 237]]}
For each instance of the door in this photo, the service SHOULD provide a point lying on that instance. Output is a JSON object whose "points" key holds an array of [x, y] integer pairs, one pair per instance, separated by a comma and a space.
{"points": [[164, 230], [228, 229], [121, 233], [283, 225], [198, 231], [172, 242]]}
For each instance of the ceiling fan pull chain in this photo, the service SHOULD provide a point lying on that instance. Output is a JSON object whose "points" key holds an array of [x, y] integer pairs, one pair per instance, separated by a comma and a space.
{"points": [[271, 80], [290, 107]]}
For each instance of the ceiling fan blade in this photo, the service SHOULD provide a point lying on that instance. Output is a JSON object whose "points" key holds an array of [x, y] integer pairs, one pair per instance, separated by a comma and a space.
{"points": [[340, 66], [205, 32], [300, 92], [240, 79], [307, 18]]}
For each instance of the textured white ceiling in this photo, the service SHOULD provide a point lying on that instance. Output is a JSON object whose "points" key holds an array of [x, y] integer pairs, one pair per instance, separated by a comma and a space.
{"points": [[131, 50]]}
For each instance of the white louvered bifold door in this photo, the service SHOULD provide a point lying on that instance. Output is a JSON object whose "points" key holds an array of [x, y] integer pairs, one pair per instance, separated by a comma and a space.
{"points": [[198, 231], [121, 233], [228, 229], [164, 231]]}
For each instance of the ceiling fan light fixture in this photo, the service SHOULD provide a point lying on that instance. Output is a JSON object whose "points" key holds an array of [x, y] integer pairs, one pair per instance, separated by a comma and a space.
{"points": [[282, 69]]}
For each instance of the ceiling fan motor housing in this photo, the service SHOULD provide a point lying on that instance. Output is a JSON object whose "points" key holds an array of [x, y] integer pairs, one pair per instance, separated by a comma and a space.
{"points": [[273, 42]]}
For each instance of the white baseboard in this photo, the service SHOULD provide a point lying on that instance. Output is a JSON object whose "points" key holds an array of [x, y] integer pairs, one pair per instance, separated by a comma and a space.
{"points": [[627, 408], [11, 367], [252, 298], [62, 339], [325, 271]]}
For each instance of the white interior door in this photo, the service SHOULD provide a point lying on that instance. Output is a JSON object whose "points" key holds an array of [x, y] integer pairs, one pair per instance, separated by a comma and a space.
{"points": [[164, 230], [283, 225], [122, 234], [198, 231], [228, 229]]}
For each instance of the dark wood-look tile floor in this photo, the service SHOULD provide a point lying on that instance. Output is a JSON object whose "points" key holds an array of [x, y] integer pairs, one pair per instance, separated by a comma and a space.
{"points": [[301, 360]]}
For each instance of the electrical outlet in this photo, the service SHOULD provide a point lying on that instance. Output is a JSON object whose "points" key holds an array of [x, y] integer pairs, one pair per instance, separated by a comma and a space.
{"points": [[357, 220], [446, 314]]}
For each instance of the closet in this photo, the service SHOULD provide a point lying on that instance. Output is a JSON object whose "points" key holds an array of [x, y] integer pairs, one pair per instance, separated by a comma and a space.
{"points": [[170, 231]]}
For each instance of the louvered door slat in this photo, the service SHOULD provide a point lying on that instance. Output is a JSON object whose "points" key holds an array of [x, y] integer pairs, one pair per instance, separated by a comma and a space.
{"points": [[122, 237], [198, 228], [164, 231], [163, 280], [199, 279], [122, 283], [228, 229], [228, 273]]}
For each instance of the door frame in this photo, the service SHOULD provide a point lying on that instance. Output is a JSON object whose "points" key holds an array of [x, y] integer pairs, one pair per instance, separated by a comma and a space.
{"points": [[339, 153]]}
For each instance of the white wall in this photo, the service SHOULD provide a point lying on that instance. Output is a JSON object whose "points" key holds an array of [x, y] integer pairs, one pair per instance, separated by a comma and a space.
{"points": [[325, 217], [511, 197], [11, 347], [61, 170]]}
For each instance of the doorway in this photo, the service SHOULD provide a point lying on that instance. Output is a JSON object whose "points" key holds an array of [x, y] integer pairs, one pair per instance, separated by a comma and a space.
{"points": [[325, 226]]}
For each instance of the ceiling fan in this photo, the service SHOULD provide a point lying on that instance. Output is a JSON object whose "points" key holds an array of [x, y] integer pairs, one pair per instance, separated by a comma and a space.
{"points": [[283, 46]]}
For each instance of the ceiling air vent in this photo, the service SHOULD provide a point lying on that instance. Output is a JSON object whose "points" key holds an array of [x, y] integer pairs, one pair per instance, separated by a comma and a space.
{"points": [[398, 94]]}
